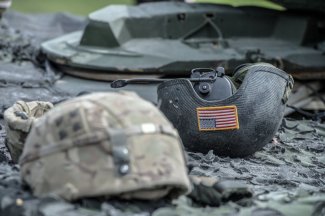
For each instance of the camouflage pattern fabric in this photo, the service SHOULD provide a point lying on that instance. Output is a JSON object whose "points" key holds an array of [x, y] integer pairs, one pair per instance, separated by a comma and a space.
{"points": [[105, 144], [19, 119]]}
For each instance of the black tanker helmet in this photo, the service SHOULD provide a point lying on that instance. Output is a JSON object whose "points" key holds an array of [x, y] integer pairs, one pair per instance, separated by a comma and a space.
{"points": [[234, 126]]}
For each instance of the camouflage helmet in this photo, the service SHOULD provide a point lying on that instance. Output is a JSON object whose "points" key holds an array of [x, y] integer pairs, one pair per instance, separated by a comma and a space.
{"points": [[105, 144], [19, 119]]}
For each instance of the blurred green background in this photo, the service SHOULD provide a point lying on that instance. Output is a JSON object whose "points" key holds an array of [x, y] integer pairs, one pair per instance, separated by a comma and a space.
{"points": [[79, 7], [84, 7]]}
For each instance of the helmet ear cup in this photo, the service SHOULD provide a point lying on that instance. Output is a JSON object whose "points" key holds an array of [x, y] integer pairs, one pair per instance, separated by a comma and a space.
{"points": [[220, 89], [212, 84]]}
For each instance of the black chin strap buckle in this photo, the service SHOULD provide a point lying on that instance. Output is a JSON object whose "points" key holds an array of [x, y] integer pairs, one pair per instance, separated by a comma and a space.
{"points": [[205, 73]]}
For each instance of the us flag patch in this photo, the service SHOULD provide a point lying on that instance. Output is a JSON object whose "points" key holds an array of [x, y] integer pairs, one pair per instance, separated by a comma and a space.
{"points": [[217, 118]]}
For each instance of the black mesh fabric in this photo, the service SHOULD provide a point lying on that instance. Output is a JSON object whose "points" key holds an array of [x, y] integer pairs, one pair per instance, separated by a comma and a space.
{"points": [[260, 111]]}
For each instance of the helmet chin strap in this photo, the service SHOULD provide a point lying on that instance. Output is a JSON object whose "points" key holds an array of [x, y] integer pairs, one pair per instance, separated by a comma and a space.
{"points": [[218, 72], [123, 82]]}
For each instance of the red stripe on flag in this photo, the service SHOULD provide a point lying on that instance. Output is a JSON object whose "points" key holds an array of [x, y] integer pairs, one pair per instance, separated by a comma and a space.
{"points": [[215, 110], [217, 116], [219, 111], [220, 114], [226, 121], [225, 126], [220, 119]]}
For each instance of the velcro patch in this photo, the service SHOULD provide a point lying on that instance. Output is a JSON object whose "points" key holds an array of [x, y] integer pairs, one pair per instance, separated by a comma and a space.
{"points": [[217, 118]]}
